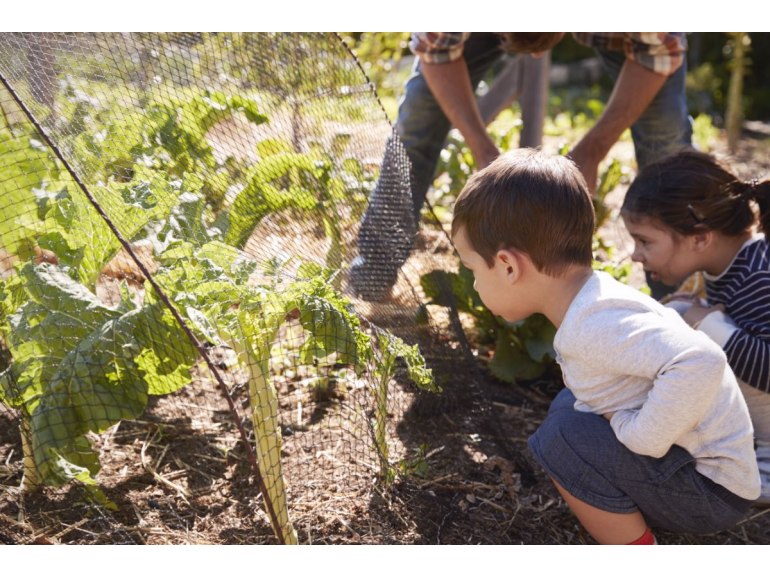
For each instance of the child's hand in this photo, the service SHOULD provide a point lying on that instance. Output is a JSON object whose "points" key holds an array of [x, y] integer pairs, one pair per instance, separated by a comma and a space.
{"points": [[687, 297], [697, 312], [609, 416]]}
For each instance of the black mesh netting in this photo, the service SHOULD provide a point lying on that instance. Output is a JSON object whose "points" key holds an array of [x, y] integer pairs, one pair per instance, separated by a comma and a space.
{"points": [[191, 313]]}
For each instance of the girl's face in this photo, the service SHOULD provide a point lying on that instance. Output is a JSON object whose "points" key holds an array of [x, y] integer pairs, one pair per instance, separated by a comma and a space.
{"points": [[668, 257]]}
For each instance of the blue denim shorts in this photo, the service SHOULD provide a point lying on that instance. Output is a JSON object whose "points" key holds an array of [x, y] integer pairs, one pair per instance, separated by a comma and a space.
{"points": [[581, 452]]}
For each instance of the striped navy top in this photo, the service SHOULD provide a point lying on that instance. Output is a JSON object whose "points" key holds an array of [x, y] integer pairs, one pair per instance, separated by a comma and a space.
{"points": [[744, 290]]}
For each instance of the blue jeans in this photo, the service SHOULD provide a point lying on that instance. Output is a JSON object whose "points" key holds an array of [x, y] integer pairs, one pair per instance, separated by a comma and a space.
{"points": [[581, 452], [423, 127], [665, 126]]}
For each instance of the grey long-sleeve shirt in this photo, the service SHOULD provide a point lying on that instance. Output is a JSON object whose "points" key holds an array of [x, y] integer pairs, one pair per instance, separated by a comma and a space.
{"points": [[622, 351]]}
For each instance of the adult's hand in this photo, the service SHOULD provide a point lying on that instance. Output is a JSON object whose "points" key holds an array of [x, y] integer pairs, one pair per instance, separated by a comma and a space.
{"points": [[587, 161], [485, 156]]}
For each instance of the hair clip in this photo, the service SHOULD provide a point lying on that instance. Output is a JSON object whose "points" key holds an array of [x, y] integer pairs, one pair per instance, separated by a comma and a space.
{"points": [[692, 212]]}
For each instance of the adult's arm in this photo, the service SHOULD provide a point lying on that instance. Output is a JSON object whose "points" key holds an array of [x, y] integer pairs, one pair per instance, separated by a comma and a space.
{"points": [[634, 90], [651, 57], [450, 83]]}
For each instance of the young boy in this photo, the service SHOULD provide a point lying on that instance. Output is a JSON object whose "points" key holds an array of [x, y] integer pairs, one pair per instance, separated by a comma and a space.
{"points": [[652, 428]]}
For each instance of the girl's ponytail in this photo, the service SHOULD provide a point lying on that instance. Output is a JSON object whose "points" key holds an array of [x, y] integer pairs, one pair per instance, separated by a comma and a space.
{"points": [[760, 191]]}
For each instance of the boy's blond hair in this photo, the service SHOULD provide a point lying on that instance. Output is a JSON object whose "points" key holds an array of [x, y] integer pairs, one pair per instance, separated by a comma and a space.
{"points": [[531, 202]]}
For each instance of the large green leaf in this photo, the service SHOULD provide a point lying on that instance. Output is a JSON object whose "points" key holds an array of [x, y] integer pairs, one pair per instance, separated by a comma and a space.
{"points": [[330, 330], [81, 367], [259, 199], [167, 355], [510, 363], [97, 384], [47, 285], [393, 348], [25, 166], [81, 236]]}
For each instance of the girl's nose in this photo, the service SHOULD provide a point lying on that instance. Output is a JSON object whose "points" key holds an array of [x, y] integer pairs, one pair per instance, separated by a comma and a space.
{"points": [[636, 256]]}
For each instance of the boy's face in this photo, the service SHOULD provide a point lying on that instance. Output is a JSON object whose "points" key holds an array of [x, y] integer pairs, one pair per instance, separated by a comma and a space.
{"points": [[667, 258], [494, 285]]}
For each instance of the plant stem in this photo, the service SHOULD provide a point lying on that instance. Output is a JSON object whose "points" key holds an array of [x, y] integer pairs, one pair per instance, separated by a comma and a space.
{"points": [[30, 482], [381, 415], [267, 436]]}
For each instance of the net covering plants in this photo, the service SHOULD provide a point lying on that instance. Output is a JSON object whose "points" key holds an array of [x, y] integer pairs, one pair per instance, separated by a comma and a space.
{"points": [[181, 351]]}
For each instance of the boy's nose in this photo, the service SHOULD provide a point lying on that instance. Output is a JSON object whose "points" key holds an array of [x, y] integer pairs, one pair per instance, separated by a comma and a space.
{"points": [[636, 256]]}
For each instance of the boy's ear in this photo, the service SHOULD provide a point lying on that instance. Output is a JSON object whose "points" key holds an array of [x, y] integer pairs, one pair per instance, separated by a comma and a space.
{"points": [[511, 264]]}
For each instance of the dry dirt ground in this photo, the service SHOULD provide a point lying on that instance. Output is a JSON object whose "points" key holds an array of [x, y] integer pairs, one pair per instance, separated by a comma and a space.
{"points": [[179, 474]]}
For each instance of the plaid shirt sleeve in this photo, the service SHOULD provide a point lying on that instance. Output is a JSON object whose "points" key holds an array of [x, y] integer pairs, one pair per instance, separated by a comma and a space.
{"points": [[438, 47], [661, 52]]}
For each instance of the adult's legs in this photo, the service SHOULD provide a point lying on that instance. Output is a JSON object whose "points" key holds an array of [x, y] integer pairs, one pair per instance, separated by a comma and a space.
{"points": [[665, 126], [422, 126], [421, 130]]}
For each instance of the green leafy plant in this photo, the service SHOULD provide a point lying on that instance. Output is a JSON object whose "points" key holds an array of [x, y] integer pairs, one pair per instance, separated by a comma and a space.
{"points": [[165, 135], [315, 184], [415, 463], [73, 366], [392, 348], [29, 173], [522, 351], [81, 367]]}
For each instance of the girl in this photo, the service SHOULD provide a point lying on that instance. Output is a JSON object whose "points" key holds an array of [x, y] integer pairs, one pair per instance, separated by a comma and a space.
{"points": [[689, 213]]}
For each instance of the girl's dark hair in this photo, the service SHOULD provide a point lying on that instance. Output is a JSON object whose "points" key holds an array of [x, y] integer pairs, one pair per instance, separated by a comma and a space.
{"points": [[692, 192]]}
